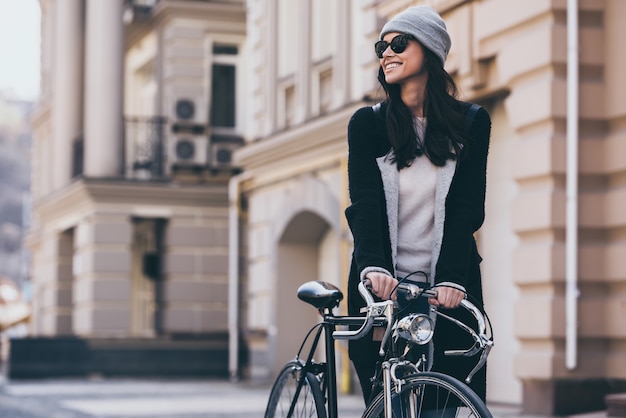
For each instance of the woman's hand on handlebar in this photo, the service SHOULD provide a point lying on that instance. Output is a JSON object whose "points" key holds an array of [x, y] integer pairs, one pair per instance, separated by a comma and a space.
{"points": [[447, 297], [381, 285]]}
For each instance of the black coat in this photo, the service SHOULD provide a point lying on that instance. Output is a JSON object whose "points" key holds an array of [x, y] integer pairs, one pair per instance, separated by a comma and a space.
{"points": [[459, 212]]}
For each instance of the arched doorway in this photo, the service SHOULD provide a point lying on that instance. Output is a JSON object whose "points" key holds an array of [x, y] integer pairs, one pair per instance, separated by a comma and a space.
{"points": [[301, 256]]}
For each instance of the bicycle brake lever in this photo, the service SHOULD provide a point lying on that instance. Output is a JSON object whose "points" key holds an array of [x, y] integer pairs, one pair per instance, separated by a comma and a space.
{"points": [[478, 345], [482, 342], [467, 353], [481, 362]]}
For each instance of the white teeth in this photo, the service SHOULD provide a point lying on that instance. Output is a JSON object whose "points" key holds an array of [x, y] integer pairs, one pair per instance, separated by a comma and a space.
{"points": [[391, 66]]}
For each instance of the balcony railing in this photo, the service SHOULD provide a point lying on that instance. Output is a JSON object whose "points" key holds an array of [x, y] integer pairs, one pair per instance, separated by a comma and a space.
{"points": [[145, 147], [148, 155]]}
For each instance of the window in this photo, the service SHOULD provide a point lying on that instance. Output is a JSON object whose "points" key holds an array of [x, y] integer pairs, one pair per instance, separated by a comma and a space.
{"points": [[326, 91], [223, 93], [225, 49], [290, 104], [223, 112], [226, 103]]}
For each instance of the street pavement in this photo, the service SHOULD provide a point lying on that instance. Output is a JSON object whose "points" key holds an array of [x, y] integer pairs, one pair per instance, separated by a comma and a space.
{"points": [[126, 398], [118, 398]]}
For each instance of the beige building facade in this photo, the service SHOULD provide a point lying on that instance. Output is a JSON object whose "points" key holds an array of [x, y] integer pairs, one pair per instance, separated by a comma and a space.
{"points": [[129, 233], [237, 237], [312, 66]]}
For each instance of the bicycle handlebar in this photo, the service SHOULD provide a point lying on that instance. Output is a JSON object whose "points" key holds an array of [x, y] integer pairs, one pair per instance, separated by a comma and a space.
{"points": [[482, 342], [374, 310]]}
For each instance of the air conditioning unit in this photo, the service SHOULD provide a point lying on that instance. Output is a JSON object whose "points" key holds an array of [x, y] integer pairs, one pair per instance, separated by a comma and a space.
{"points": [[188, 109], [221, 155], [186, 149], [222, 148]]}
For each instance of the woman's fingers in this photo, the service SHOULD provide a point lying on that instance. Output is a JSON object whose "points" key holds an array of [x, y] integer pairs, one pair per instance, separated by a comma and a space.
{"points": [[390, 286], [447, 297], [382, 285]]}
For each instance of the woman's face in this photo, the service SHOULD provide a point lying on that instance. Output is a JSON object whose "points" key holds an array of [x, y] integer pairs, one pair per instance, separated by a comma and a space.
{"points": [[408, 65]]}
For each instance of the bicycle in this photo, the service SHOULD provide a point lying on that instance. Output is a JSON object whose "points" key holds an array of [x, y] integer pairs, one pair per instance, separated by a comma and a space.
{"points": [[305, 388]]}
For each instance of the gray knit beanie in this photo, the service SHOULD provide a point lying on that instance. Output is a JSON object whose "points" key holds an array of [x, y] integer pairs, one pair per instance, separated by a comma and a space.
{"points": [[425, 25]]}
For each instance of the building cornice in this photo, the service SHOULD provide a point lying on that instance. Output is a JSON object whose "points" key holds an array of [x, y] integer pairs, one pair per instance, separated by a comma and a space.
{"points": [[88, 192], [391, 7], [216, 17], [64, 208], [229, 16], [314, 137]]}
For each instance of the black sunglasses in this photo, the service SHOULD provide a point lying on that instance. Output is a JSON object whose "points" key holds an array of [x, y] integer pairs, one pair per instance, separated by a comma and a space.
{"points": [[398, 44]]}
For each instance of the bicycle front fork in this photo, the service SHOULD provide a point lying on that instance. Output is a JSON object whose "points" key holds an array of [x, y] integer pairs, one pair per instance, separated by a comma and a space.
{"points": [[392, 379], [387, 388]]}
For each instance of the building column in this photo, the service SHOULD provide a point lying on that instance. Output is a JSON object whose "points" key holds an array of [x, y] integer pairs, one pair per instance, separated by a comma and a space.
{"points": [[271, 70], [342, 73], [303, 68], [67, 85], [103, 89], [101, 267], [52, 284]]}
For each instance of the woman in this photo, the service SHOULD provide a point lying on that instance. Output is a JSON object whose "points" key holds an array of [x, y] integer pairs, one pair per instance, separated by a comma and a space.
{"points": [[417, 174]]}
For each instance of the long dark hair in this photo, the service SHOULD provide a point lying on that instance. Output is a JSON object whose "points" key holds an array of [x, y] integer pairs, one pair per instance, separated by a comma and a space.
{"points": [[444, 128]]}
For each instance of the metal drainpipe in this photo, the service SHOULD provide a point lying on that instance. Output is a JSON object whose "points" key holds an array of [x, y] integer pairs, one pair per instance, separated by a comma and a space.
{"points": [[571, 193], [233, 274]]}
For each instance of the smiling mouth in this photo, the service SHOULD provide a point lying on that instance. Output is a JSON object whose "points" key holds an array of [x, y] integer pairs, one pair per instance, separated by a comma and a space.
{"points": [[391, 66]]}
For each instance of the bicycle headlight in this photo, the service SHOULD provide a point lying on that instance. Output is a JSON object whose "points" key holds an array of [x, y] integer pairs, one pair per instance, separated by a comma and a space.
{"points": [[418, 328]]}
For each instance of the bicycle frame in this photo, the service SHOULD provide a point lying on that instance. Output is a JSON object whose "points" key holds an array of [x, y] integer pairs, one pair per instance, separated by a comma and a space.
{"points": [[328, 328]]}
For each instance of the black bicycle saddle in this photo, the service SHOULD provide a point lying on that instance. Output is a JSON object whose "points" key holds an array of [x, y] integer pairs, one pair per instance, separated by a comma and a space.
{"points": [[320, 294]]}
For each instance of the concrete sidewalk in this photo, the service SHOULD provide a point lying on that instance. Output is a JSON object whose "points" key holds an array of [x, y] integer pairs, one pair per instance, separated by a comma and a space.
{"points": [[122, 398], [127, 398]]}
